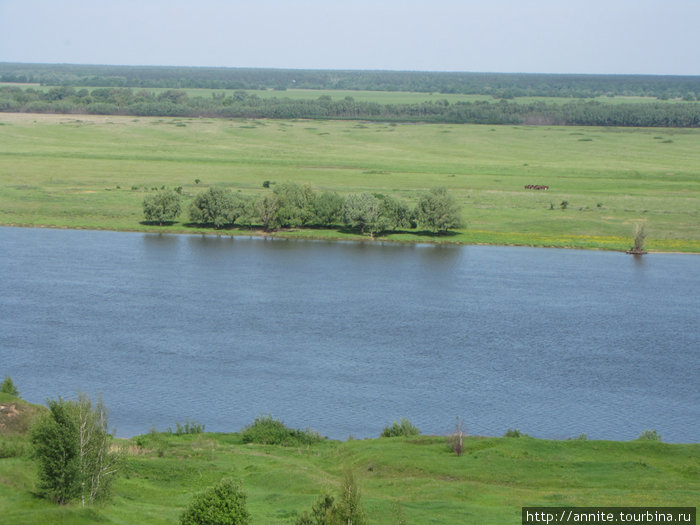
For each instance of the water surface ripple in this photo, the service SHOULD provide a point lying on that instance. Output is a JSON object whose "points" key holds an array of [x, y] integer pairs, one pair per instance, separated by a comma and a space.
{"points": [[345, 338]]}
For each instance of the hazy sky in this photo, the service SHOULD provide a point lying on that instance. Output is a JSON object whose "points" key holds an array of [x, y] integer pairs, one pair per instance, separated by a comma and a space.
{"points": [[533, 36]]}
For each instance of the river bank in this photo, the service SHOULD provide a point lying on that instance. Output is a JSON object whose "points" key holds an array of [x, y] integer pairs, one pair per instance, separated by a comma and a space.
{"points": [[456, 238]]}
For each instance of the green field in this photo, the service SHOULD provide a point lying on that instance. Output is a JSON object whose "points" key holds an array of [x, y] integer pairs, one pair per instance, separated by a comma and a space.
{"points": [[420, 475], [93, 172]]}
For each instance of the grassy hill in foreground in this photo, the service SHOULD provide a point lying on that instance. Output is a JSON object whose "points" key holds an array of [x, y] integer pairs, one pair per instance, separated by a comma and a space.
{"points": [[419, 478]]}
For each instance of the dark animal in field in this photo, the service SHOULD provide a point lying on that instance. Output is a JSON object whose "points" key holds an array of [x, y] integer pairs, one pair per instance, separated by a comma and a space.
{"points": [[536, 187]]}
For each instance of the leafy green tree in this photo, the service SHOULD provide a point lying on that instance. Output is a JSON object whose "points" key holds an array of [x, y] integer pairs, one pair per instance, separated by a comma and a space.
{"points": [[222, 504], [8, 387], [364, 211], [71, 443], [250, 214], [296, 203], [328, 208], [162, 206], [55, 445], [438, 211], [217, 206], [396, 213], [267, 208]]}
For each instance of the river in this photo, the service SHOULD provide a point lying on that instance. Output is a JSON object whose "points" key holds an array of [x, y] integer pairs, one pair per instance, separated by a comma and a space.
{"points": [[345, 338]]}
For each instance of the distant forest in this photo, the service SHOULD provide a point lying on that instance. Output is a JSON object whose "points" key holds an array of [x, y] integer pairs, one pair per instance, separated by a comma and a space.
{"points": [[123, 90]]}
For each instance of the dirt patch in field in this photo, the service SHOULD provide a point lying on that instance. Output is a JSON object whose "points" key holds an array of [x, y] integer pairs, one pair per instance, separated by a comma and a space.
{"points": [[17, 417], [7, 412]]}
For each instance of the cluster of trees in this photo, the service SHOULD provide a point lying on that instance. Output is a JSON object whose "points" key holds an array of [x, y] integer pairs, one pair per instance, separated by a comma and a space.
{"points": [[71, 443], [295, 205], [241, 104], [499, 85]]}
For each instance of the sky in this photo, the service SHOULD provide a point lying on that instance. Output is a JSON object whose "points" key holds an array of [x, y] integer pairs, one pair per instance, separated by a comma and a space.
{"points": [[660, 37]]}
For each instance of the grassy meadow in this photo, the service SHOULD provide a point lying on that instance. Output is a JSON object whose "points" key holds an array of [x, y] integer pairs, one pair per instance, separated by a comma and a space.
{"points": [[417, 478], [93, 172]]}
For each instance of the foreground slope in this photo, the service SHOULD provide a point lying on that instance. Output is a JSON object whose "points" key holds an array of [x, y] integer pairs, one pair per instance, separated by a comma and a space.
{"points": [[419, 478]]}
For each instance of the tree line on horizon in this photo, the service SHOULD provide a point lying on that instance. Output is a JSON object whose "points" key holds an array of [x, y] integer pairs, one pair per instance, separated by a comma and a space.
{"points": [[241, 104], [498, 85], [291, 205]]}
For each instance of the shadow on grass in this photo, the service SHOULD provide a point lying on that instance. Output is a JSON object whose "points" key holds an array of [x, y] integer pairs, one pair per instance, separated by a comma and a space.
{"points": [[344, 230], [157, 223], [427, 233]]}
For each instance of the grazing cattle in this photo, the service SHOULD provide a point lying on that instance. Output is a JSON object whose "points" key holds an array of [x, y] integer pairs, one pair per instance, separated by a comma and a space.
{"points": [[536, 187]]}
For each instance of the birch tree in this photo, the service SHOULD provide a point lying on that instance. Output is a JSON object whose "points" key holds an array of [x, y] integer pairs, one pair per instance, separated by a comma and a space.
{"points": [[98, 465], [72, 444]]}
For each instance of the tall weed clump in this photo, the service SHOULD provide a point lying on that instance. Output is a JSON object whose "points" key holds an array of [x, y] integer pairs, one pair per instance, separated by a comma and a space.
{"points": [[649, 435], [404, 428]]}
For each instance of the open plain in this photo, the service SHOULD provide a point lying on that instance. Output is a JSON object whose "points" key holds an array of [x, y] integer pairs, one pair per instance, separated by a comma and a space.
{"points": [[94, 171]]}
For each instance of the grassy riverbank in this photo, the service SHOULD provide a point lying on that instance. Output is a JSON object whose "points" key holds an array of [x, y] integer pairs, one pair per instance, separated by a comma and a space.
{"points": [[93, 172], [420, 476]]}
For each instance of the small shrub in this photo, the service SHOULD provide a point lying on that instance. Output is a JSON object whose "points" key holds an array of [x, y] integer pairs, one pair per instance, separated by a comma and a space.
{"points": [[564, 205], [321, 512], [8, 387], [649, 435], [197, 181], [266, 184], [580, 437], [514, 433], [267, 430], [404, 428], [222, 504], [346, 509], [188, 428]]}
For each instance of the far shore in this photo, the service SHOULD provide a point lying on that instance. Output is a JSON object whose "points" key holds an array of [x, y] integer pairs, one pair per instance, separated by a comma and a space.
{"points": [[335, 236], [95, 172]]}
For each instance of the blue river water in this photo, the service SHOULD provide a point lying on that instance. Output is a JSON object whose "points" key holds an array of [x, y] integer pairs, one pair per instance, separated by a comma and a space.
{"points": [[345, 338]]}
